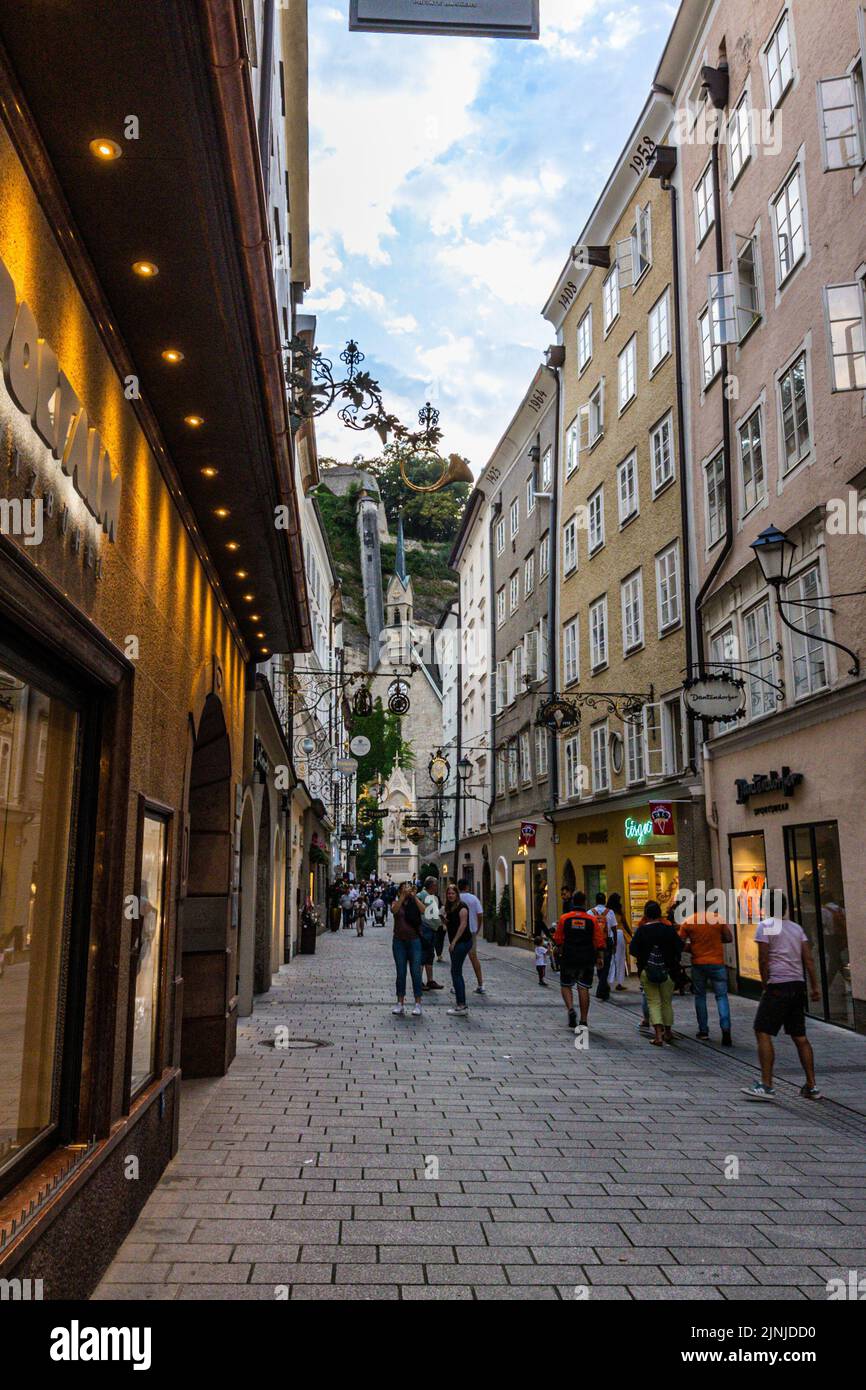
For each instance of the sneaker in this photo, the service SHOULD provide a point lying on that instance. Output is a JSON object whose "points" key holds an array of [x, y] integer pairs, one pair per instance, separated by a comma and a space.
{"points": [[572, 1018], [702, 1037], [727, 1040], [416, 1012], [759, 1092], [810, 1093], [481, 990], [460, 1010], [398, 1010]]}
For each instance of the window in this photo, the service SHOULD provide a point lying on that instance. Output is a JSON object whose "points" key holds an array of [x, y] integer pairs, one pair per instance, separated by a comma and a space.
{"points": [[501, 770], [631, 593], [515, 517], [600, 764], [780, 67], [546, 470], [572, 447], [584, 340], [610, 299], [596, 413], [598, 634], [500, 606], [705, 204], [570, 649], [510, 680], [37, 817], [635, 751], [846, 335], [544, 555], [841, 123], [714, 474], [626, 488], [662, 452], [752, 462], [525, 764], [808, 653], [596, 520], [757, 629], [541, 742], [543, 653], [501, 686], [528, 575], [643, 242], [530, 496], [569, 546], [500, 537], [514, 591], [795, 413], [672, 735], [668, 587], [512, 764], [723, 651], [790, 228], [747, 290], [711, 353], [739, 138], [152, 877], [573, 775], [627, 373], [659, 331]]}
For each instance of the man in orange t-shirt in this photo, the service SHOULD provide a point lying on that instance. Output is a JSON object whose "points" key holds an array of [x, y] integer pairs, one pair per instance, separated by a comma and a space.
{"points": [[705, 935]]}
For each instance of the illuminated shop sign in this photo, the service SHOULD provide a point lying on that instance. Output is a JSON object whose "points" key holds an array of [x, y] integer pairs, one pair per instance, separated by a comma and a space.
{"points": [[638, 830], [41, 390], [498, 19]]}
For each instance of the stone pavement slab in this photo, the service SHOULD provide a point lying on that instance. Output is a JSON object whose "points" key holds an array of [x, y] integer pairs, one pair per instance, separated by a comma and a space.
{"points": [[399, 1159]]}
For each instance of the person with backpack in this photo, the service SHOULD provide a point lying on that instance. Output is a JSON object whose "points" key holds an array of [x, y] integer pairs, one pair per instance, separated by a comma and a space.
{"points": [[581, 938], [431, 923], [608, 921], [657, 947]]}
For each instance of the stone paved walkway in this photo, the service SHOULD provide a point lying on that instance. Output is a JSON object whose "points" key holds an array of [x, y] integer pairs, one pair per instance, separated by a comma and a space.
{"points": [[303, 1171]]}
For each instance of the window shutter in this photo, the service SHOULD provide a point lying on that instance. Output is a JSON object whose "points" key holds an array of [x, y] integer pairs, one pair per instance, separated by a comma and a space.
{"points": [[722, 310], [530, 655], [626, 259], [655, 753]]}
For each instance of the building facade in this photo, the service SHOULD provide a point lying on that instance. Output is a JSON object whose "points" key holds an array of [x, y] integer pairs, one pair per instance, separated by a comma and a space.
{"points": [[623, 596], [770, 180]]}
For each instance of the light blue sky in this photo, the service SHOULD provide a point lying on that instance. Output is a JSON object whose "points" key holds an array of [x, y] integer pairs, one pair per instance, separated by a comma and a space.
{"points": [[449, 179]]}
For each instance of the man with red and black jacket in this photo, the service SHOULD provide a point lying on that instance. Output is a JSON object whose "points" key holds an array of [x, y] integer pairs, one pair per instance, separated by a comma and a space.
{"points": [[581, 939]]}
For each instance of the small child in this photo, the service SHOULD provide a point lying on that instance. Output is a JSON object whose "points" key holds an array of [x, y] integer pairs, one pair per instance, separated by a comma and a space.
{"points": [[541, 954]]}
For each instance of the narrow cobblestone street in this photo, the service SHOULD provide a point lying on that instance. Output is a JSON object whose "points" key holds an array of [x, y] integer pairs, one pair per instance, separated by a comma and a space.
{"points": [[561, 1173]]}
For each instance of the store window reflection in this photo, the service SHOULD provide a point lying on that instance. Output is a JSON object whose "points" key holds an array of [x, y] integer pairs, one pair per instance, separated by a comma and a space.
{"points": [[147, 945], [38, 768], [749, 877], [818, 899]]}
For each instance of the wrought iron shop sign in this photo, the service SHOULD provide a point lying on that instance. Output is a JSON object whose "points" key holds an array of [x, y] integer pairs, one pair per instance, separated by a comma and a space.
{"points": [[497, 19], [715, 696]]}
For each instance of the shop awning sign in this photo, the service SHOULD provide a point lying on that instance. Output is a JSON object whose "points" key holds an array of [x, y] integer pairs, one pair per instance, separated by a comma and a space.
{"points": [[492, 19], [662, 817], [717, 695]]}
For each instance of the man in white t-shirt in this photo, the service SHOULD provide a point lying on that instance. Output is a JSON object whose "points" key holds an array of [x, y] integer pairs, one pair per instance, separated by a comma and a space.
{"points": [[476, 920], [785, 960]]}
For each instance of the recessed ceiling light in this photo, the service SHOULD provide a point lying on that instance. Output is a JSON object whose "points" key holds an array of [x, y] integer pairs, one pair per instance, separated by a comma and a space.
{"points": [[249, 598], [172, 355], [260, 634], [232, 545], [146, 269], [105, 149], [265, 651], [241, 574], [193, 421], [255, 617], [209, 472], [222, 512]]}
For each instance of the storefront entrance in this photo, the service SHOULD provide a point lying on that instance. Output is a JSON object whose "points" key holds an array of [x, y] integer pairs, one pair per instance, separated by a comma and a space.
{"points": [[817, 902]]}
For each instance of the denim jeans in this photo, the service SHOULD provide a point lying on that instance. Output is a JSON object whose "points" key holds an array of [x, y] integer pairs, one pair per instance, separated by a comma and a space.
{"points": [[458, 960], [716, 976], [408, 954]]}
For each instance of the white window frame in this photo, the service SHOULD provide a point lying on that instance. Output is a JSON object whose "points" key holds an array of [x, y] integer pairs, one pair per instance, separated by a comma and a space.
{"points": [[546, 470], [669, 596], [599, 743], [628, 498], [627, 373], [530, 494], [525, 758], [595, 514], [572, 446], [542, 739], [856, 133], [752, 423], [569, 547], [705, 205], [714, 515], [659, 331], [571, 651], [529, 575], [514, 592], [802, 648], [857, 358], [514, 517], [784, 234], [572, 779], [724, 641], [631, 605], [500, 536], [787, 372], [760, 697], [598, 645], [666, 423], [610, 299], [711, 353], [634, 736], [544, 555], [500, 607], [596, 414], [584, 341], [774, 60], [739, 138], [672, 746]]}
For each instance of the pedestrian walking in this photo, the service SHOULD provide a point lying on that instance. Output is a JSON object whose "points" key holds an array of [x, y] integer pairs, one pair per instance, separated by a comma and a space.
{"points": [[785, 961], [580, 937], [360, 914], [541, 954], [616, 976], [705, 935], [459, 944], [406, 947], [657, 946], [608, 922], [347, 903], [476, 921]]}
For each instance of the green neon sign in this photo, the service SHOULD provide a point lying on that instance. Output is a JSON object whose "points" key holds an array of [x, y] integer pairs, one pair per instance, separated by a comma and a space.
{"points": [[638, 830]]}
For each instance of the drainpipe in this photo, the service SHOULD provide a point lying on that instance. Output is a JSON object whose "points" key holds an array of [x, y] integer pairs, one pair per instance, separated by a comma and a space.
{"points": [[717, 82]]}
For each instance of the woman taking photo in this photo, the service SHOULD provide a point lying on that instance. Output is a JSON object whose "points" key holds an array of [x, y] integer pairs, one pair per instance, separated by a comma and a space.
{"points": [[406, 947], [460, 944]]}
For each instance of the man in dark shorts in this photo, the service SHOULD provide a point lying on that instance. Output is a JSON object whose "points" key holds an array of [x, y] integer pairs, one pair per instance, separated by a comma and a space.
{"points": [[784, 959], [581, 939]]}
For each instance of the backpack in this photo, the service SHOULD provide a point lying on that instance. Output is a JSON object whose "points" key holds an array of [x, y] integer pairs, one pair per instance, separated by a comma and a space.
{"points": [[656, 970], [431, 911]]}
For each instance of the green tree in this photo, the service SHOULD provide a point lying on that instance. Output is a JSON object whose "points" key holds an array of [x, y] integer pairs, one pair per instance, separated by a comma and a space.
{"points": [[431, 516]]}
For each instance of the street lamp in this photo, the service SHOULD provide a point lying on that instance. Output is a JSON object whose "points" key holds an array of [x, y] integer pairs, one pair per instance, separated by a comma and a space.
{"points": [[775, 555], [464, 769]]}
